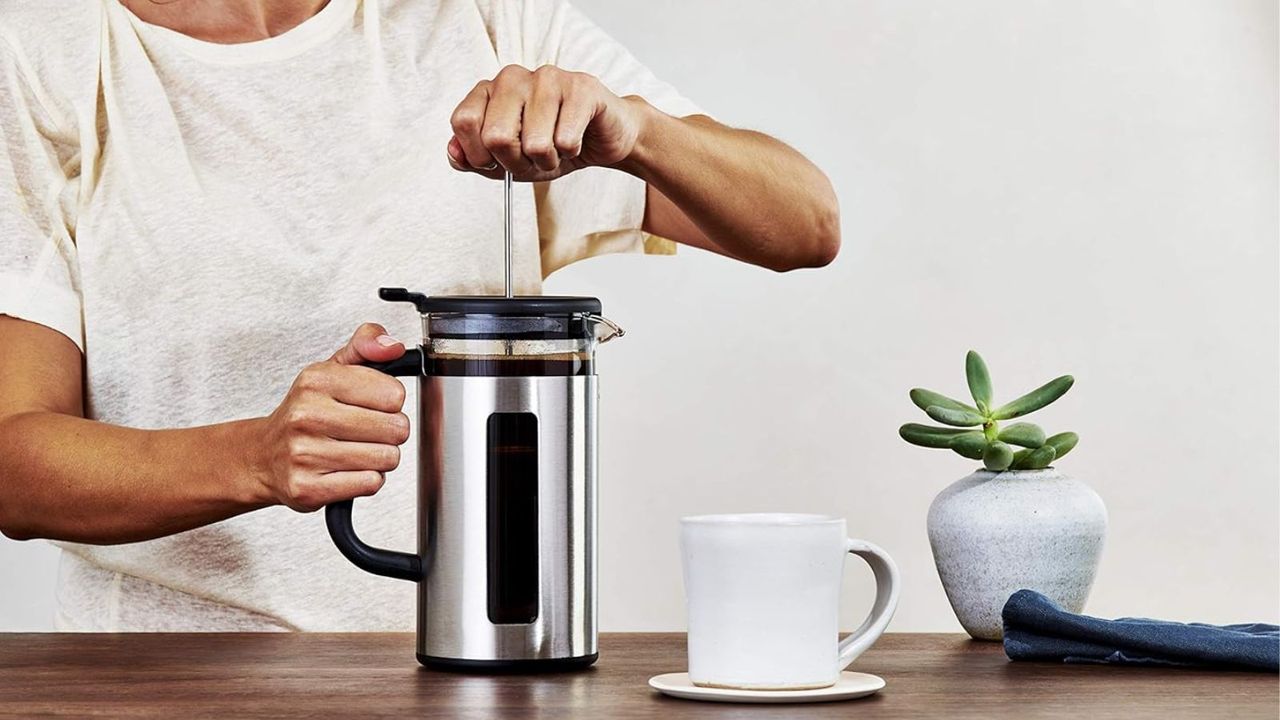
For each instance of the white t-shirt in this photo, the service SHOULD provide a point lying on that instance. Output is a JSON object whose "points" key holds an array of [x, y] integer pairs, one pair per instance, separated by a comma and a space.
{"points": [[204, 220]]}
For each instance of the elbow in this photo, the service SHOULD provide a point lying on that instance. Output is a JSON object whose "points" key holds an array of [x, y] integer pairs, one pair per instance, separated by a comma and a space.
{"points": [[13, 523], [12, 528], [822, 238], [827, 235], [17, 534]]}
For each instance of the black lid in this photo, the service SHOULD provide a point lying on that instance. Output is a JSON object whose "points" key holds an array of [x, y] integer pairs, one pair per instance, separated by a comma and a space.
{"points": [[494, 305]]}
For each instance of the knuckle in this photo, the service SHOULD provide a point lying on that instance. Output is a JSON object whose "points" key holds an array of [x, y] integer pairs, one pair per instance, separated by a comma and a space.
{"points": [[512, 76], [512, 71], [465, 120], [299, 416], [539, 147], [396, 393], [389, 459], [499, 139], [548, 75], [400, 428], [311, 377], [298, 450], [374, 480], [568, 144], [582, 81], [300, 494], [307, 500]]}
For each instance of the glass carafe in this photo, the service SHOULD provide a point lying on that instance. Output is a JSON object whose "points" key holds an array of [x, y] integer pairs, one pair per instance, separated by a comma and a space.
{"points": [[485, 344]]}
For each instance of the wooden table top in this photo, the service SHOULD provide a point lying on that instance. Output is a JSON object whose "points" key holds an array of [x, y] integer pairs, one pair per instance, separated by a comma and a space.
{"points": [[375, 675]]}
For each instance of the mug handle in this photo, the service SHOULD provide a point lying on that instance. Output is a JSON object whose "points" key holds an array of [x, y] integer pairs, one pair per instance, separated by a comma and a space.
{"points": [[886, 572], [337, 516]]}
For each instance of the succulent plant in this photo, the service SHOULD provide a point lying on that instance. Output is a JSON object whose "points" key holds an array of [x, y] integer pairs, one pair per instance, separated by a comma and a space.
{"points": [[974, 431]]}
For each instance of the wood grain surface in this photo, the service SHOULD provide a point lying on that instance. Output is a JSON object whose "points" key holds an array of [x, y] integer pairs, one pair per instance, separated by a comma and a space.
{"points": [[375, 675]]}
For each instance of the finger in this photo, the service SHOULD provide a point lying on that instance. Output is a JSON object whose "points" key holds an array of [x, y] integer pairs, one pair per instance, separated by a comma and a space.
{"points": [[349, 384], [467, 122], [538, 125], [501, 131], [336, 455], [368, 388], [458, 161], [348, 484], [341, 421], [370, 343], [458, 156], [319, 490], [580, 105]]}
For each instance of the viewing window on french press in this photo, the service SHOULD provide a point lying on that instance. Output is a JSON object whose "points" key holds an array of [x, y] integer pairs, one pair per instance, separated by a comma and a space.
{"points": [[513, 517]]}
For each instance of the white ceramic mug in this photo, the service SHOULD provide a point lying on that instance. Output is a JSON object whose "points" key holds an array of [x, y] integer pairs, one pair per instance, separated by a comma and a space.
{"points": [[763, 597]]}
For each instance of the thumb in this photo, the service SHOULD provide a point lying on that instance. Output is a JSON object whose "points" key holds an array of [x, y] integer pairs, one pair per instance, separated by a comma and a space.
{"points": [[458, 161], [370, 343]]}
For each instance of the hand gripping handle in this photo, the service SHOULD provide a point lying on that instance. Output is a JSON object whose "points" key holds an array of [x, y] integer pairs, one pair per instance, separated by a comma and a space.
{"points": [[337, 516]]}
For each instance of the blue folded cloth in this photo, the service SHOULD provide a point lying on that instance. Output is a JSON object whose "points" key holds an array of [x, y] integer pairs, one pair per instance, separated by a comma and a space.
{"points": [[1035, 628]]}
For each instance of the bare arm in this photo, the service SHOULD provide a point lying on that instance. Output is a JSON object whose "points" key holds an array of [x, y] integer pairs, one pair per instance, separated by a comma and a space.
{"points": [[67, 478], [736, 192]]}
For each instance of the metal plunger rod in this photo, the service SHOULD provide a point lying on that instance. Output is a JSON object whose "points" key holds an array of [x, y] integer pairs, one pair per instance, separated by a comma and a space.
{"points": [[506, 215]]}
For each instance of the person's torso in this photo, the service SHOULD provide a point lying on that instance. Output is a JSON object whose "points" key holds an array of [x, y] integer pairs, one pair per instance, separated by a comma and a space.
{"points": [[236, 218]]}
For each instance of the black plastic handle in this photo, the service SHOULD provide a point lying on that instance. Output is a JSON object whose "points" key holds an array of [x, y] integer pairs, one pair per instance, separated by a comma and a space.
{"points": [[391, 563], [408, 364], [337, 516]]}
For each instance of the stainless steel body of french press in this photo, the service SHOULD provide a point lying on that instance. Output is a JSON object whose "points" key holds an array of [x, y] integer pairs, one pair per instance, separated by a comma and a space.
{"points": [[507, 448]]}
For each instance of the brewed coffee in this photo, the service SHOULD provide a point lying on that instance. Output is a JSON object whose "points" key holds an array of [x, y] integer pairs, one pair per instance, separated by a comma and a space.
{"points": [[555, 365]]}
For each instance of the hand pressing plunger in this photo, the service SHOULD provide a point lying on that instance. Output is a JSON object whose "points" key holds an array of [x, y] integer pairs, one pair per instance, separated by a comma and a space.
{"points": [[338, 429], [734, 192], [542, 124]]}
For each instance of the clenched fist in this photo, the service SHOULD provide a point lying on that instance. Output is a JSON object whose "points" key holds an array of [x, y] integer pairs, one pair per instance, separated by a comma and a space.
{"points": [[338, 429], [542, 124]]}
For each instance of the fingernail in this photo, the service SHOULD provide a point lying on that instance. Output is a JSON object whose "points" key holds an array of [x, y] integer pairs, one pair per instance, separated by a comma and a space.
{"points": [[387, 341]]}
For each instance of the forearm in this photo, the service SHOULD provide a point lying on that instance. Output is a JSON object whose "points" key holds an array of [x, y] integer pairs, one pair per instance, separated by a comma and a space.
{"points": [[751, 196], [68, 478]]}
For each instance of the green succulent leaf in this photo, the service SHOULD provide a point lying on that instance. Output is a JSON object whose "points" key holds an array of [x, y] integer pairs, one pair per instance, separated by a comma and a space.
{"points": [[923, 399], [1036, 459], [1019, 458], [958, 418], [1025, 434], [1063, 443], [997, 457], [971, 444], [974, 432], [1035, 399], [975, 371], [928, 435]]}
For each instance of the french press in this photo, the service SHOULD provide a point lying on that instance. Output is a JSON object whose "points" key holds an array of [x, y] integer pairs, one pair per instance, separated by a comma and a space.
{"points": [[507, 462]]}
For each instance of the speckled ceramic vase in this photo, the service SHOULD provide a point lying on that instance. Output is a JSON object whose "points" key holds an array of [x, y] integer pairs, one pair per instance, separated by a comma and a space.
{"points": [[994, 533]]}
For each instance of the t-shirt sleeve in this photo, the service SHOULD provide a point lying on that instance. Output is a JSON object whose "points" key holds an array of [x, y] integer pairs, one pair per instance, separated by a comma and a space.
{"points": [[39, 272], [593, 211]]}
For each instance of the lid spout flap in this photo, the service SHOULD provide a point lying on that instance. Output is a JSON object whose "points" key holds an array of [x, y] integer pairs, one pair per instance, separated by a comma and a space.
{"points": [[605, 329], [394, 294]]}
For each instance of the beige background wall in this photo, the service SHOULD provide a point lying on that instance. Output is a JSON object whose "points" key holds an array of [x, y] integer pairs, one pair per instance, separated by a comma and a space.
{"points": [[1084, 187]]}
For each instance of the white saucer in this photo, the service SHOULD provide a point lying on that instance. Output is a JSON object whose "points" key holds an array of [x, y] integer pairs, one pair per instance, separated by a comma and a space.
{"points": [[850, 685]]}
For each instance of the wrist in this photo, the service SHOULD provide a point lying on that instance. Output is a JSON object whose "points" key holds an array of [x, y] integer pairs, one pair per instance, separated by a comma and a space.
{"points": [[249, 463], [651, 124]]}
